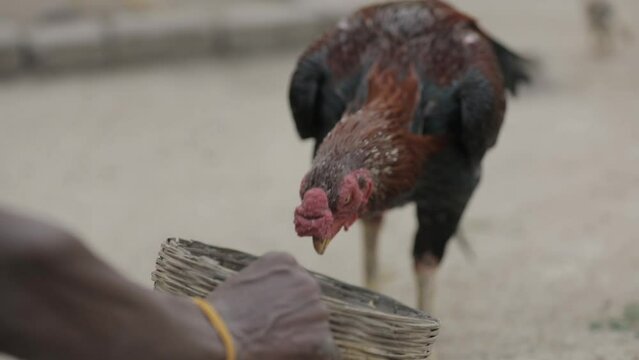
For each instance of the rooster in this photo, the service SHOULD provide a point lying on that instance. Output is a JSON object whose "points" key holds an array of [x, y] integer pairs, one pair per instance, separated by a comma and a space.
{"points": [[605, 26], [403, 100]]}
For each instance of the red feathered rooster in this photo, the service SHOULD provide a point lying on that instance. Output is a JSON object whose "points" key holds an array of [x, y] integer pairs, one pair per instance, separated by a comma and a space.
{"points": [[403, 100]]}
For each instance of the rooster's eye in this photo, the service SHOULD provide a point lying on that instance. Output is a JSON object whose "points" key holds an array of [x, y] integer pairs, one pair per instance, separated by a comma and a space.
{"points": [[347, 199], [361, 182]]}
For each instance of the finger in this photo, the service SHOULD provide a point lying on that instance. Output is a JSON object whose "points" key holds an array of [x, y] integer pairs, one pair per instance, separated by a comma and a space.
{"points": [[272, 261], [275, 267], [278, 257]]}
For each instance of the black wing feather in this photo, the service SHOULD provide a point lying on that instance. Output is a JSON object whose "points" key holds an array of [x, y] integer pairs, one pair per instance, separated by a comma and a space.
{"points": [[515, 69], [304, 92]]}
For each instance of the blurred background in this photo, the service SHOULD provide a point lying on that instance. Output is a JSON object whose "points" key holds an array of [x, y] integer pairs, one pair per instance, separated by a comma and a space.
{"points": [[131, 121]]}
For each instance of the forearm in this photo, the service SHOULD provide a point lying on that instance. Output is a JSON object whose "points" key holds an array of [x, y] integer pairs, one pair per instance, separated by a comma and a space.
{"points": [[58, 301], [76, 307]]}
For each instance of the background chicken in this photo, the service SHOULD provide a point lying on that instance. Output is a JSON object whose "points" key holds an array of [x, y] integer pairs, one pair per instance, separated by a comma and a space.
{"points": [[403, 100], [605, 26]]}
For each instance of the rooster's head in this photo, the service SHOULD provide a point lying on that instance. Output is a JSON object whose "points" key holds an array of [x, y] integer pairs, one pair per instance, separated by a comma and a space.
{"points": [[331, 200]]}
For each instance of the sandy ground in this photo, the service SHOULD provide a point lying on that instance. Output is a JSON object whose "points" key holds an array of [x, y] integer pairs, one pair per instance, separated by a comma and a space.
{"points": [[207, 150]]}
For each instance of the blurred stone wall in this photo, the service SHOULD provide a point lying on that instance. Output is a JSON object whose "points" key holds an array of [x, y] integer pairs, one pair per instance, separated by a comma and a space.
{"points": [[29, 10], [70, 34]]}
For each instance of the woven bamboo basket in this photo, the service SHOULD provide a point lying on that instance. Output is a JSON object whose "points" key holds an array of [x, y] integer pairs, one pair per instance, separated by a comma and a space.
{"points": [[365, 324]]}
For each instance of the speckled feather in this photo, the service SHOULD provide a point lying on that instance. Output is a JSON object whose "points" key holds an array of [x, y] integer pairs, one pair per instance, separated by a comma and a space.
{"points": [[404, 89]]}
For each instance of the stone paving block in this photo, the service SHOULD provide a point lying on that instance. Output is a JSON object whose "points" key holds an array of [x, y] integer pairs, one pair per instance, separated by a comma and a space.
{"points": [[140, 36], [66, 44], [10, 59]]}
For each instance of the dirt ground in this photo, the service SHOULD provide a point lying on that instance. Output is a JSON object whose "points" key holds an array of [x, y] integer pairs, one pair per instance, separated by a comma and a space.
{"points": [[207, 150]]}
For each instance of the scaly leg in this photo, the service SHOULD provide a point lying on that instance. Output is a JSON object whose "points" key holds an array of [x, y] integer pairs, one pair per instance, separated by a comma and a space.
{"points": [[425, 271], [372, 226]]}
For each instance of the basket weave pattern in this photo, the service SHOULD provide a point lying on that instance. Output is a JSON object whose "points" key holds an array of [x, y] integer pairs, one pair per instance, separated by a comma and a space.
{"points": [[365, 325]]}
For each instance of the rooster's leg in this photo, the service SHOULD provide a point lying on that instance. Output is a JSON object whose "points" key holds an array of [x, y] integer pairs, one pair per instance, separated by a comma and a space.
{"points": [[437, 224], [425, 273], [372, 225]]}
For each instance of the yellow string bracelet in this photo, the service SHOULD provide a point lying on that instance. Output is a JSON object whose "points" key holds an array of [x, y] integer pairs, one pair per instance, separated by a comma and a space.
{"points": [[216, 320]]}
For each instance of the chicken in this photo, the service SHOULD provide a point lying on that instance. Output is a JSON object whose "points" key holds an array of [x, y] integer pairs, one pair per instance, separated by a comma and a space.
{"points": [[605, 26], [403, 100]]}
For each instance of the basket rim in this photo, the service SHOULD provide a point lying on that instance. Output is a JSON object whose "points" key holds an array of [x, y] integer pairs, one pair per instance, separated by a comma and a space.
{"points": [[386, 306]]}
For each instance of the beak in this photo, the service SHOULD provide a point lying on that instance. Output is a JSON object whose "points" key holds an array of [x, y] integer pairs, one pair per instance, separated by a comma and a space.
{"points": [[320, 244]]}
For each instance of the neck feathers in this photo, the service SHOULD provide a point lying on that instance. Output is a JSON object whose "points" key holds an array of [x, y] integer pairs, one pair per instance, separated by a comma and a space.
{"points": [[393, 92], [377, 137]]}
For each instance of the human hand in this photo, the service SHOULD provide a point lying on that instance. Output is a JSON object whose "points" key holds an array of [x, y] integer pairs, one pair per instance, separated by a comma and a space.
{"points": [[273, 310]]}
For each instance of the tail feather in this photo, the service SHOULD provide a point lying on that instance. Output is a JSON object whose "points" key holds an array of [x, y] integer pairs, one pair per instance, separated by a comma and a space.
{"points": [[516, 70]]}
